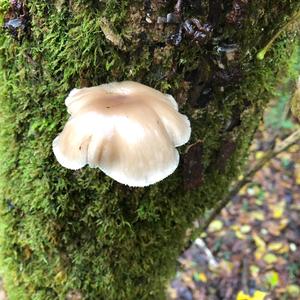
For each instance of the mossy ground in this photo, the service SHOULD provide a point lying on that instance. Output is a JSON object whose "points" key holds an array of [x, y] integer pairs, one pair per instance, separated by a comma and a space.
{"points": [[63, 230]]}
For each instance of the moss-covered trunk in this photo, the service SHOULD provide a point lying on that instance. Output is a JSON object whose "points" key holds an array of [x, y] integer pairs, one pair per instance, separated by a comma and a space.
{"points": [[67, 233]]}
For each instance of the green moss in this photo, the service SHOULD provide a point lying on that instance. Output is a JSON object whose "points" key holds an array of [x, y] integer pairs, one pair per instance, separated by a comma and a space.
{"points": [[65, 231]]}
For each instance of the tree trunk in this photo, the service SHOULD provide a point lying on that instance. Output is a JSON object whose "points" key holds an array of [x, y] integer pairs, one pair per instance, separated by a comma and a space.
{"points": [[68, 234]]}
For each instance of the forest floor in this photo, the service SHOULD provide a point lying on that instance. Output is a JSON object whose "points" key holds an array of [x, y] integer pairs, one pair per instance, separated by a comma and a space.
{"points": [[251, 251]]}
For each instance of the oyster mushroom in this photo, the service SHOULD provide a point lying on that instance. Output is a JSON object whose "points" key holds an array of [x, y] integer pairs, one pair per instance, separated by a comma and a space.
{"points": [[126, 129]]}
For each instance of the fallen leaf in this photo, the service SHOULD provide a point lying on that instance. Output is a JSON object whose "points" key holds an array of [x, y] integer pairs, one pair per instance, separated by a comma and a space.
{"points": [[278, 247], [172, 293], [259, 154], [272, 278], [224, 269], [297, 173], [243, 190], [254, 190], [260, 245], [254, 270], [293, 247], [245, 229], [277, 209], [275, 228], [270, 258], [258, 295], [293, 290], [200, 277], [283, 223], [242, 296], [187, 279], [257, 215], [216, 225]]}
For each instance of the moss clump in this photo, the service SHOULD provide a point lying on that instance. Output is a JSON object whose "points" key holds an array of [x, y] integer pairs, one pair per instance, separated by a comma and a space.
{"points": [[80, 232]]}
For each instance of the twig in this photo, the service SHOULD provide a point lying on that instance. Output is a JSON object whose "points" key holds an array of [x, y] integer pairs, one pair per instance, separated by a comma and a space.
{"points": [[211, 260], [245, 274], [261, 54], [282, 146]]}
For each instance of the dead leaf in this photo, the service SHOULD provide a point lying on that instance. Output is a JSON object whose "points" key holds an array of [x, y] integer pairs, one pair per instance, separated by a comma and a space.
{"points": [[260, 245], [270, 258], [215, 225], [293, 290], [277, 209], [278, 247], [272, 278], [258, 295]]}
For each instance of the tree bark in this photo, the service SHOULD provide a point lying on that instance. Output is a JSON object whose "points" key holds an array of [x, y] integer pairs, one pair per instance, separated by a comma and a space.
{"points": [[78, 233]]}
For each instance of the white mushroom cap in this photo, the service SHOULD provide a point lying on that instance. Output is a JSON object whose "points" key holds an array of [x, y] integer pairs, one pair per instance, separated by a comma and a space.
{"points": [[126, 129]]}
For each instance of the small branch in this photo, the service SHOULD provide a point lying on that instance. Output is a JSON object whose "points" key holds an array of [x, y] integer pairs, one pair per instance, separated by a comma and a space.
{"points": [[282, 146], [245, 275], [211, 260], [261, 54]]}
